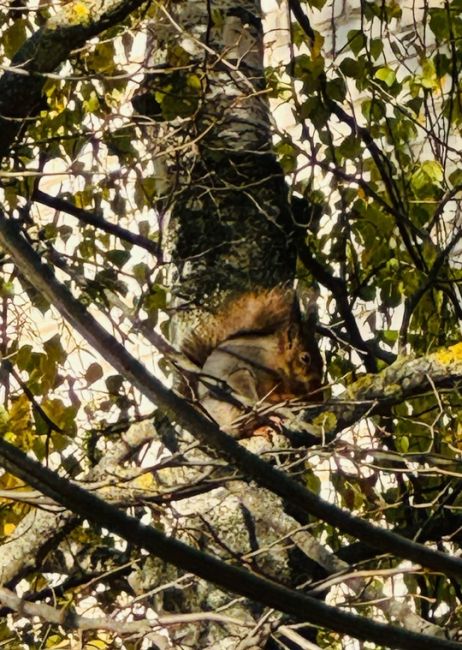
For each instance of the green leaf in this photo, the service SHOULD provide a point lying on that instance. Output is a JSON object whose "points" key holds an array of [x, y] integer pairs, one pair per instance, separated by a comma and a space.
{"points": [[367, 293], [312, 482], [391, 292], [356, 40], [141, 272], [91, 105], [376, 47], [309, 70], [6, 288], [148, 186], [114, 384], [429, 78], [101, 60], [439, 24], [287, 155], [194, 81], [336, 89], [373, 109], [118, 257], [23, 357], [390, 337], [456, 178], [387, 75], [54, 349], [316, 4], [352, 68], [157, 299], [429, 173], [62, 415], [442, 64], [38, 299], [350, 147], [314, 109], [13, 37], [434, 170], [415, 104]]}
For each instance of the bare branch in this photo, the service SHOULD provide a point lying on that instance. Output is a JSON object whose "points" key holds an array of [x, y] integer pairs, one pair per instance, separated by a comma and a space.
{"points": [[30, 264], [69, 620], [203, 565], [96, 220], [42, 529]]}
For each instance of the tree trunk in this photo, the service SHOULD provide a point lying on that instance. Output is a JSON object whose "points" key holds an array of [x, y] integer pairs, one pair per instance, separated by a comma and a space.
{"points": [[232, 222]]}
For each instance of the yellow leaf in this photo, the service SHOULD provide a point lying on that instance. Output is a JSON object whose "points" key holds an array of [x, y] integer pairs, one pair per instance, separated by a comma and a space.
{"points": [[100, 642], [317, 45], [19, 421], [145, 481], [450, 355], [8, 529]]}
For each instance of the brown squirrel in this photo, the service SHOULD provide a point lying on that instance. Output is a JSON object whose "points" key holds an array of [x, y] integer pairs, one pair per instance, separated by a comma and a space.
{"points": [[258, 345]]}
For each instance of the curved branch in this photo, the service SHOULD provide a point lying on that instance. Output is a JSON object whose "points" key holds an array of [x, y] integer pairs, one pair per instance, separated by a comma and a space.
{"points": [[30, 264], [96, 220], [22, 84], [432, 277], [235, 579], [302, 19], [369, 350], [375, 394]]}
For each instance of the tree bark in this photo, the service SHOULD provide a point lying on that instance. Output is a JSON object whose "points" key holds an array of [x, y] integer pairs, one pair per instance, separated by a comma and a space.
{"points": [[232, 226]]}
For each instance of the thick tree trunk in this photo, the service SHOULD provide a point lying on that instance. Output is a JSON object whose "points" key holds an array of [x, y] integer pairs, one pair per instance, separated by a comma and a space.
{"points": [[234, 311], [230, 212]]}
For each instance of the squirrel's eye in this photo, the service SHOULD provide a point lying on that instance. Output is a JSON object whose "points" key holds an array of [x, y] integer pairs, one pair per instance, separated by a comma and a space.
{"points": [[305, 357]]}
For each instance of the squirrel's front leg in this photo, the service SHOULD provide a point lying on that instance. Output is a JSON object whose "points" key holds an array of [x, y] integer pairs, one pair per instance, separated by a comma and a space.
{"points": [[239, 377]]}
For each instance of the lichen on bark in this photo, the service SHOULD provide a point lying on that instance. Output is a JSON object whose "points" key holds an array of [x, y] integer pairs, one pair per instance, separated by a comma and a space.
{"points": [[231, 222]]}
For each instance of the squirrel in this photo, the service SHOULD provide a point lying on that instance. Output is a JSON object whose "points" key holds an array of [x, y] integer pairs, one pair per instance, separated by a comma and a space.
{"points": [[258, 345]]}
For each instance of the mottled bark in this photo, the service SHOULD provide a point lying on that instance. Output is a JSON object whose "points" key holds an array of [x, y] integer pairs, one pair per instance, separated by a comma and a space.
{"points": [[232, 222], [42, 530], [376, 393]]}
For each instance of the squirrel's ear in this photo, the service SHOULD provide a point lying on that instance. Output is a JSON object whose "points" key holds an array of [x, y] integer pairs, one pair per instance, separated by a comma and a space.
{"points": [[308, 303], [293, 333], [308, 297]]}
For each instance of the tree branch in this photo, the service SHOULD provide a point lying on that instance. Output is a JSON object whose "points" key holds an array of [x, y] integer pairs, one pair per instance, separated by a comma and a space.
{"points": [[376, 394], [205, 566], [339, 290], [30, 264], [96, 220], [42, 529], [432, 276], [70, 620], [302, 19], [22, 84]]}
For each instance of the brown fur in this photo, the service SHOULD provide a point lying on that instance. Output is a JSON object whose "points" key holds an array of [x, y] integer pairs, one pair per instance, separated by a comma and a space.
{"points": [[258, 346], [263, 311]]}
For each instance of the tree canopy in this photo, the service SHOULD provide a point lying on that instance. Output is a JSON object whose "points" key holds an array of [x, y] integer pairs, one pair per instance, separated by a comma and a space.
{"points": [[150, 162]]}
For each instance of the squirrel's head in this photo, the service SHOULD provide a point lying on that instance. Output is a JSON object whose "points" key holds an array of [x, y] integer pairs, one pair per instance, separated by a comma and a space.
{"points": [[304, 361]]}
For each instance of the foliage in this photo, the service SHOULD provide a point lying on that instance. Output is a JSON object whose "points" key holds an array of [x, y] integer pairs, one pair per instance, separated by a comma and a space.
{"points": [[372, 163]]}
